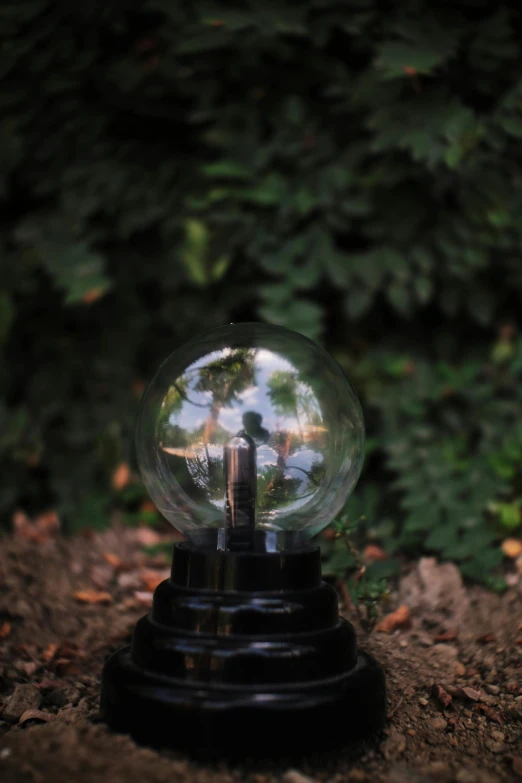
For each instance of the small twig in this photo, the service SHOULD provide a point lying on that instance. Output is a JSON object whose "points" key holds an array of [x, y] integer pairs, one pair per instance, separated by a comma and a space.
{"points": [[392, 713], [347, 598]]}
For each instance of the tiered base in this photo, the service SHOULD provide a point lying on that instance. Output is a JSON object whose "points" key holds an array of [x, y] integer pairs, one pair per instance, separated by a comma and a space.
{"points": [[239, 670]]}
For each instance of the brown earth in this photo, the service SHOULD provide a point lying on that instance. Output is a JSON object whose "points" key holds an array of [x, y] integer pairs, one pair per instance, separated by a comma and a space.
{"points": [[454, 676]]}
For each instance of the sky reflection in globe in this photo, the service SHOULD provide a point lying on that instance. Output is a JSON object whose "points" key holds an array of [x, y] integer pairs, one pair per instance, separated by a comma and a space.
{"points": [[279, 389]]}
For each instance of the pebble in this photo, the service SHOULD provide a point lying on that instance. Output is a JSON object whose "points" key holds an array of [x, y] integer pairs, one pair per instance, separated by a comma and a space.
{"points": [[438, 769], [446, 651], [493, 689], [394, 745], [494, 747], [498, 736], [472, 776], [293, 776], [25, 697], [59, 697], [438, 724], [425, 640], [488, 699], [423, 702]]}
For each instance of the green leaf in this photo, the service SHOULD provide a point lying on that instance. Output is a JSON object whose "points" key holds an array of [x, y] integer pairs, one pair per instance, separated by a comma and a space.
{"points": [[399, 298], [453, 155], [422, 44], [441, 537], [75, 268], [394, 57], [226, 169], [220, 267], [358, 302], [480, 567], [383, 569], [194, 251], [509, 515], [423, 288], [301, 315], [264, 195]]}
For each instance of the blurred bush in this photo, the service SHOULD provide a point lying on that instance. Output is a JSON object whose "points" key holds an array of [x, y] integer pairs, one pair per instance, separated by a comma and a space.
{"points": [[349, 170]]}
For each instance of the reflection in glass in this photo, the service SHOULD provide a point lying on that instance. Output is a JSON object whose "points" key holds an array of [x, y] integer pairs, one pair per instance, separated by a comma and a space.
{"points": [[265, 385]]}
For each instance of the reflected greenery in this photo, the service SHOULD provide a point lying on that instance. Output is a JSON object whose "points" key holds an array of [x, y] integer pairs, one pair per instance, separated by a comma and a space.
{"points": [[252, 391]]}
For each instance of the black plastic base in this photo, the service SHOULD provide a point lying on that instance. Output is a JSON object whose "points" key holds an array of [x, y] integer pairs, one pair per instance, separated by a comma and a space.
{"points": [[222, 668], [221, 721]]}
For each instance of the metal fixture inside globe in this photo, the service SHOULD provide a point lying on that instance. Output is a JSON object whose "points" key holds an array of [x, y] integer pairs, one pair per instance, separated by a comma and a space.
{"points": [[250, 437]]}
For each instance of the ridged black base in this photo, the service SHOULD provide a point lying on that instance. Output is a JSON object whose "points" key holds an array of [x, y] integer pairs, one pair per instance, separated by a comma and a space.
{"points": [[224, 721], [222, 668]]}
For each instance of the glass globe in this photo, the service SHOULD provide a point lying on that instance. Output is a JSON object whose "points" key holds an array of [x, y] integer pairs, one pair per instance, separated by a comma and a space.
{"points": [[250, 436]]}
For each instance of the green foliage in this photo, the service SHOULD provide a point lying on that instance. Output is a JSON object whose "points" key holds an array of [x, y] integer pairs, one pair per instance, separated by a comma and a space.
{"points": [[367, 586], [349, 170]]}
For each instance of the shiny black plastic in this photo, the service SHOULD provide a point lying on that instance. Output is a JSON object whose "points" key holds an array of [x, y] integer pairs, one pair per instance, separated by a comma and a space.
{"points": [[246, 571], [222, 668]]}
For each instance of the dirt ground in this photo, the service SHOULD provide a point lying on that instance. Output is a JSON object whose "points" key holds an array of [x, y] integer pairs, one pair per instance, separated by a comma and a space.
{"points": [[454, 675]]}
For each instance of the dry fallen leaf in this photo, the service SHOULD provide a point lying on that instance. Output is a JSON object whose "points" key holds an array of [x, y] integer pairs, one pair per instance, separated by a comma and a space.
{"points": [[39, 715], [442, 695], [49, 652], [69, 650], [447, 636], [467, 693], [22, 525], [48, 523], [373, 552], [138, 387], [329, 534], [151, 579], [66, 668], [40, 530], [5, 630], [121, 476], [512, 548], [400, 618], [60, 654], [490, 713], [93, 597], [93, 295], [147, 507], [486, 638], [112, 559]]}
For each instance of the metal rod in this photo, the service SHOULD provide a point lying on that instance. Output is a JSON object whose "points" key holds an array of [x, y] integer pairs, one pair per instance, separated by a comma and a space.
{"points": [[240, 474]]}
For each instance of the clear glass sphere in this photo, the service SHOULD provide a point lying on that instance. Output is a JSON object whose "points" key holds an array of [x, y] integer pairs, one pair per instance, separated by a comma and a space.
{"points": [[264, 395]]}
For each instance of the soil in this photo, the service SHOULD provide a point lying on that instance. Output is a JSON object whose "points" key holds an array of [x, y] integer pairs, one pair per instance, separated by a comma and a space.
{"points": [[454, 674]]}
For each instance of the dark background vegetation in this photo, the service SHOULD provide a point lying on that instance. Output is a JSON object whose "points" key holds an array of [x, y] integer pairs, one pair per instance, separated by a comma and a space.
{"points": [[351, 170]]}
